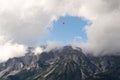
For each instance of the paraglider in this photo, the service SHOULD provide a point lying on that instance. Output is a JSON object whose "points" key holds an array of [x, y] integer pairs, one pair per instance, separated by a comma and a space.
{"points": [[63, 22]]}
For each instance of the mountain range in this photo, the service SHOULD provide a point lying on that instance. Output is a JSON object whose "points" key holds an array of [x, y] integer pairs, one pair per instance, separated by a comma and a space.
{"points": [[65, 63]]}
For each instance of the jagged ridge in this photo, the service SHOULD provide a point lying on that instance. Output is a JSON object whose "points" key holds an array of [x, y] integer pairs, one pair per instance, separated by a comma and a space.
{"points": [[60, 64]]}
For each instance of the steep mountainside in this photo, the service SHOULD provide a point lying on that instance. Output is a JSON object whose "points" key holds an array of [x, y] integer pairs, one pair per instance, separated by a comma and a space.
{"points": [[61, 64]]}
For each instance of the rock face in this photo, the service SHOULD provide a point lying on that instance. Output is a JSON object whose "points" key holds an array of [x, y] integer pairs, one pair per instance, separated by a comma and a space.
{"points": [[61, 64], [15, 65]]}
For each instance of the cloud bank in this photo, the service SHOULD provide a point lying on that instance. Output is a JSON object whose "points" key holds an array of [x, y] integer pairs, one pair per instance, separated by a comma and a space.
{"points": [[24, 22], [9, 50], [103, 35]]}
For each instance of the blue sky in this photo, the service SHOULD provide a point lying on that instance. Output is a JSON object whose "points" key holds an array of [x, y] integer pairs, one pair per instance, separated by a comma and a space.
{"points": [[72, 30]]}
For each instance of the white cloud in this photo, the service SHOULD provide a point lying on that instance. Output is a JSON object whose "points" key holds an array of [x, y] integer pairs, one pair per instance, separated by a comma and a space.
{"points": [[25, 21], [103, 34], [9, 50], [77, 39], [53, 45], [38, 50]]}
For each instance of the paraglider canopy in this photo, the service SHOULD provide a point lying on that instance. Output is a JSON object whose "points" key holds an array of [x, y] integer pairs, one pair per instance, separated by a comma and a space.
{"points": [[63, 22]]}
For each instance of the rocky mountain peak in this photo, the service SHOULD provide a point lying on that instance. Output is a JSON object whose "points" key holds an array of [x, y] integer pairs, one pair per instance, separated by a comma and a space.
{"points": [[65, 63]]}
